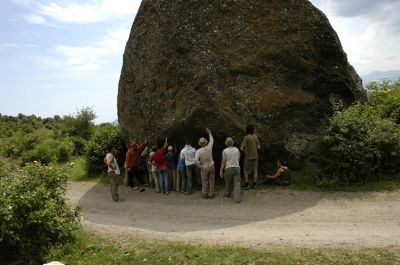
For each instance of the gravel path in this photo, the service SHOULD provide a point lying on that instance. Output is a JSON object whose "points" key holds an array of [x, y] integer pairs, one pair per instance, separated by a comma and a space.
{"points": [[311, 219]]}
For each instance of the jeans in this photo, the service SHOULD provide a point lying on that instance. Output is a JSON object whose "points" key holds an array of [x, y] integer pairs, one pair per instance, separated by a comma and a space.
{"points": [[163, 176], [181, 179], [191, 171]]}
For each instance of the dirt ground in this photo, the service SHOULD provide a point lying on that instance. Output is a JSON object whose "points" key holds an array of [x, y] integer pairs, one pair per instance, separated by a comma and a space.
{"points": [[307, 219]]}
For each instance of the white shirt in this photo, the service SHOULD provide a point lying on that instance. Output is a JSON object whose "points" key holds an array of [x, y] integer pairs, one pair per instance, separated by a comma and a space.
{"points": [[188, 153], [232, 157], [113, 162]]}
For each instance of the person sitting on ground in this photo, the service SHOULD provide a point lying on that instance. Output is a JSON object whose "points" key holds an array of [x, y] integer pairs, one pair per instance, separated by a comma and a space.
{"points": [[281, 176]]}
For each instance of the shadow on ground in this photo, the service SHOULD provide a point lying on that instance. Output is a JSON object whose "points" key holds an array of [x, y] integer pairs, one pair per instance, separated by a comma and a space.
{"points": [[180, 213]]}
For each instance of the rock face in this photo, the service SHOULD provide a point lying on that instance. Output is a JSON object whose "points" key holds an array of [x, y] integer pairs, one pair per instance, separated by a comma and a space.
{"points": [[191, 64]]}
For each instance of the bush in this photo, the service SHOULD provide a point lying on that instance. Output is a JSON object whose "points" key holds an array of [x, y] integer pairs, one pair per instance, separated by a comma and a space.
{"points": [[80, 124], [385, 98], [358, 145], [34, 215], [96, 149]]}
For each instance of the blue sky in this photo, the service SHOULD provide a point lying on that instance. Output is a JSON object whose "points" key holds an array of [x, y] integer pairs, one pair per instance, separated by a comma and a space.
{"points": [[58, 56]]}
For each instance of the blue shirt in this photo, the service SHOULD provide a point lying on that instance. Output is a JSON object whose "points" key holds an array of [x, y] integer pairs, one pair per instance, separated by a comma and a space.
{"points": [[181, 163], [171, 159]]}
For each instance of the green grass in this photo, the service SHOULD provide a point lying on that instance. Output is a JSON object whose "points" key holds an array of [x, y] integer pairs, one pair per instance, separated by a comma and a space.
{"points": [[79, 173], [91, 249]]}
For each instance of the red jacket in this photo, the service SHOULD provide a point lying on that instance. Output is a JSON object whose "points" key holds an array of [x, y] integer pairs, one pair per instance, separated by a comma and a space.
{"points": [[159, 158], [132, 156]]}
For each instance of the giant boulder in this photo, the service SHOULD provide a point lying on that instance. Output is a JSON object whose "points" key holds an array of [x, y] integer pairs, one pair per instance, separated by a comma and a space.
{"points": [[191, 64]]}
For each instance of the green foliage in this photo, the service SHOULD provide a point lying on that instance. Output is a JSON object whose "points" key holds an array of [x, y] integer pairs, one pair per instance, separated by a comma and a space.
{"points": [[106, 135], [362, 143], [34, 215], [385, 99], [81, 124]]}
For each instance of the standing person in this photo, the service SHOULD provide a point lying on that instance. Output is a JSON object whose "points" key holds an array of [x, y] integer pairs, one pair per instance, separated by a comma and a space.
{"points": [[153, 170], [162, 167], [188, 153], [113, 172], [171, 157], [132, 164], [205, 162], [250, 147], [230, 163], [181, 175]]}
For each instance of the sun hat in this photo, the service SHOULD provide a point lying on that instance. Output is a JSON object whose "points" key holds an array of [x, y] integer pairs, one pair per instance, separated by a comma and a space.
{"points": [[229, 141], [202, 141]]}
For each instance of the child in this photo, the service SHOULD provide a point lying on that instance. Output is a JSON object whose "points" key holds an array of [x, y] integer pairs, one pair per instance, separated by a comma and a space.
{"points": [[281, 177], [171, 157], [181, 176]]}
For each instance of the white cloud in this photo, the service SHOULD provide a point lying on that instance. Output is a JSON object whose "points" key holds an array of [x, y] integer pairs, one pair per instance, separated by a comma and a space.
{"points": [[87, 61], [367, 30], [34, 19], [92, 11]]}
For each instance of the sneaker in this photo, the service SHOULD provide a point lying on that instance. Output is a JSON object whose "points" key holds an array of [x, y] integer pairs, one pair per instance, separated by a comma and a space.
{"points": [[253, 186], [142, 189], [135, 188], [166, 193], [246, 187], [187, 193]]}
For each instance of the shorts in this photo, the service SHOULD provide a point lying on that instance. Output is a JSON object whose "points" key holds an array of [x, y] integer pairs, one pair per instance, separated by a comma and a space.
{"points": [[251, 166]]}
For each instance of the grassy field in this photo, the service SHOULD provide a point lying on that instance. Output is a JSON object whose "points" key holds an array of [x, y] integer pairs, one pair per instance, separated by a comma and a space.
{"points": [[91, 249]]}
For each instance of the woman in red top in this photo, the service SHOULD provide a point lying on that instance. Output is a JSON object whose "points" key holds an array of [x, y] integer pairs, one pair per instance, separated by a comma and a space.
{"points": [[162, 166]]}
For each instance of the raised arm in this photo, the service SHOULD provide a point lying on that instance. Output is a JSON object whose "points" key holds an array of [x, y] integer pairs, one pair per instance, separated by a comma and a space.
{"points": [[211, 142]]}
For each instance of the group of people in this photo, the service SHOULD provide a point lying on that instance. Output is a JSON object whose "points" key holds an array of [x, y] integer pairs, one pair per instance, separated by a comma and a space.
{"points": [[172, 171]]}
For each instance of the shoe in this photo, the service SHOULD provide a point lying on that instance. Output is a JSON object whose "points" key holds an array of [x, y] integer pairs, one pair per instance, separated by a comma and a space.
{"points": [[210, 196], [135, 188], [142, 189], [166, 193], [187, 193], [253, 186], [246, 187]]}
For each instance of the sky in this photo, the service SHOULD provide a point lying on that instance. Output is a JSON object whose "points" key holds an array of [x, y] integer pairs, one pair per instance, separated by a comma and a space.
{"points": [[58, 56]]}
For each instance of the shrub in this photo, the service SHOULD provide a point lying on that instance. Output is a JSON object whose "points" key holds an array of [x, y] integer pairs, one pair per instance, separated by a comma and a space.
{"points": [[358, 146], [385, 98], [80, 124], [34, 215], [96, 149]]}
